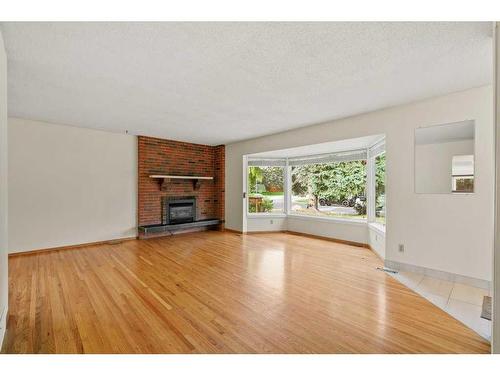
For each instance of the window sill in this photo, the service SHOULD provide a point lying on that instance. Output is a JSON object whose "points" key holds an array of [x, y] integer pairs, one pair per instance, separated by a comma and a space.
{"points": [[329, 219], [266, 215], [379, 228]]}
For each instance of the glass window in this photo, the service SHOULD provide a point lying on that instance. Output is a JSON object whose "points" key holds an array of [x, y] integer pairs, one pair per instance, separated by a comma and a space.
{"points": [[463, 184], [329, 189], [462, 174], [265, 189], [380, 189]]}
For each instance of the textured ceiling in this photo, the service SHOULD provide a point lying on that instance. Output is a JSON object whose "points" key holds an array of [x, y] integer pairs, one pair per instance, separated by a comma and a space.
{"points": [[222, 82]]}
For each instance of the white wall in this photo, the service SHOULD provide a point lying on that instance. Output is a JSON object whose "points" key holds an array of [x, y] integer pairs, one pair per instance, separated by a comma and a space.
{"points": [[376, 240], [446, 232], [266, 224], [433, 165], [69, 185], [355, 232], [4, 292]]}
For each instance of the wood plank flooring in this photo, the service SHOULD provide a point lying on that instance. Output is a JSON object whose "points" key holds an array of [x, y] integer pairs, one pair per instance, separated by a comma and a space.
{"points": [[213, 292]]}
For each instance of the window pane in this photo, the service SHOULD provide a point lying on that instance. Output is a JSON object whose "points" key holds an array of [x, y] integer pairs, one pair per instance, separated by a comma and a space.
{"points": [[462, 174], [463, 184], [380, 189], [265, 190], [330, 189]]}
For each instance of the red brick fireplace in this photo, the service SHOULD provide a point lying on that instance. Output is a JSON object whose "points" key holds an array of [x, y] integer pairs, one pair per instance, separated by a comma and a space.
{"points": [[165, 157]]}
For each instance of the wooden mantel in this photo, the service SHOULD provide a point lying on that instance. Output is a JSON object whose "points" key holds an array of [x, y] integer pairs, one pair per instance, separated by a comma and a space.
{"points": [[166, 178]]}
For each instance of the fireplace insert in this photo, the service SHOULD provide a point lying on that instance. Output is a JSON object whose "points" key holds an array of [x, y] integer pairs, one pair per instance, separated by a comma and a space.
{"points": [[178, 210]]}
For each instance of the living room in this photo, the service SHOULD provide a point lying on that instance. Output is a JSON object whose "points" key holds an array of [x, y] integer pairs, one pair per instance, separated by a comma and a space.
{"points": [[248, 187]]}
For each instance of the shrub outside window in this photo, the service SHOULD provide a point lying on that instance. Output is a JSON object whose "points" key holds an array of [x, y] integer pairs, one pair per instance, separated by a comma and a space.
{"points": [[266, 189]]}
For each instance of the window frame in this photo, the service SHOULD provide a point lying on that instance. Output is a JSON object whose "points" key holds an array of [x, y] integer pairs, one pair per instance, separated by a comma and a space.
{"points": [[373, 152], [246, 193], [325, 218]]}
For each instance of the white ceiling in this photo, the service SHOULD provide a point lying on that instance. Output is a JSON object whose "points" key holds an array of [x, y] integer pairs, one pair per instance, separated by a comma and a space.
{"points": [[218, 83], [323, 148]]}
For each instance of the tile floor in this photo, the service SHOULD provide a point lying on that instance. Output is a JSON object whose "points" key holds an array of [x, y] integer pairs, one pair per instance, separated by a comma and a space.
{"points": [[461, 301]]}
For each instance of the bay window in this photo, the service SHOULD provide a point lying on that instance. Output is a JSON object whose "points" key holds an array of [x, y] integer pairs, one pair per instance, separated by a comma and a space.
{"points": [[346, 185]]}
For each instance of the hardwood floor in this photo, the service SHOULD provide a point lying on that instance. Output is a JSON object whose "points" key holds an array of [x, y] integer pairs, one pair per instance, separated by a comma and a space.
{"points": [[213, 292]]}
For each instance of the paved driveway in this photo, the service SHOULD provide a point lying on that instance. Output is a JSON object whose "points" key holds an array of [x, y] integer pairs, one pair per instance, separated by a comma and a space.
{"points": [[279, 202]]}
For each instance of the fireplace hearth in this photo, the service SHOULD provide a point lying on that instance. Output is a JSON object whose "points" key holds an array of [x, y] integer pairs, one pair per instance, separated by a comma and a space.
{"points": [[178, 214]]}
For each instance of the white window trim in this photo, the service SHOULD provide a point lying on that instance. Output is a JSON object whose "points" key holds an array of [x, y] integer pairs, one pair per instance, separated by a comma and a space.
{"points": [[253, 215], [329, 219]]}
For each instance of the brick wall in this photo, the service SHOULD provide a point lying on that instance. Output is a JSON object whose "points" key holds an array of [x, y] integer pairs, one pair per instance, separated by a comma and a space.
{"points": [[161, 156], [220, 165]]}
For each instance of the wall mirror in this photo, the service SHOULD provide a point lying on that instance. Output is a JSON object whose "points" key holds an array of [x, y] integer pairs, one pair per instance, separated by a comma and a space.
{"points": [[444, 158]]}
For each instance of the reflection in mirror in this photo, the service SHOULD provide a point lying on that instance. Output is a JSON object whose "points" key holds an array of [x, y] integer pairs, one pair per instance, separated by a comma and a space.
{"points": [[444, 158], [462, 174]]}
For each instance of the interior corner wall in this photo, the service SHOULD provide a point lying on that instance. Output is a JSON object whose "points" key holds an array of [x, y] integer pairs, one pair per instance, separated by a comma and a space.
{"points": [[69, 185], [4, 291], [446, 232], [376, 240]]}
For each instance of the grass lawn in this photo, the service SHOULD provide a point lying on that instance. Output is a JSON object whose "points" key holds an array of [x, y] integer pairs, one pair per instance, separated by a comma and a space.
{"points": [[269, 193]]}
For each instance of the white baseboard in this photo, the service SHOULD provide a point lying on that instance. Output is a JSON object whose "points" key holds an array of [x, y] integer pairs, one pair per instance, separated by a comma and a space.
{"points": [[3, 325], [442, 275]]}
